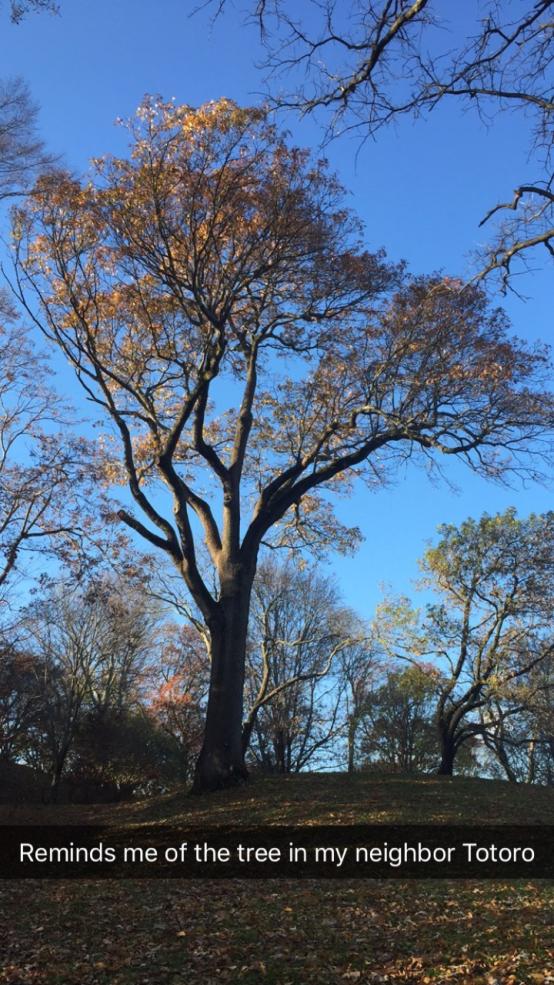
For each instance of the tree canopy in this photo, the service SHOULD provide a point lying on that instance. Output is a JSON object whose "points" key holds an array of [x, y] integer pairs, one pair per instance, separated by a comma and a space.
{"points": [[20, 8], [216, 301], [22, 153], [493, 626]]}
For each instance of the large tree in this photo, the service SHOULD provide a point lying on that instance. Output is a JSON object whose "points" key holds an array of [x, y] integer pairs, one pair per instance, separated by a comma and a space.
{"points": [[214, 297]]}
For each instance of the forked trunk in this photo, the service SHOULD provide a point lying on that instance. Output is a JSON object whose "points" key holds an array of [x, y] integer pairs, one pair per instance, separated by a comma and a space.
{"points": [[221, 760]]}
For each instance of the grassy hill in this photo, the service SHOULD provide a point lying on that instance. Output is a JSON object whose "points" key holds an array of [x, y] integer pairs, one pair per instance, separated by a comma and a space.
{"points": [[283, 932], [325, 798]]}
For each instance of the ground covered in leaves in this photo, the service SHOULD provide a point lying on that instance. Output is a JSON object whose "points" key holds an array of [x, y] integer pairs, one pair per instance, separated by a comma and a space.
{"points": [[277, 932], [290, 933]]}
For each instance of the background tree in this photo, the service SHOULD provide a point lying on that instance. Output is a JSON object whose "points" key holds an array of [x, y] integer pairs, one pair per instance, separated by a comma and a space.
{"points": [[19, 702], [20, 8], [22, 153], [217, 264], [366, 63], [177, 701], [120, 756], [359, 670], [397, 728], [43, 478], [90, 647], [518, 728], [297, 629], [493, 627]]}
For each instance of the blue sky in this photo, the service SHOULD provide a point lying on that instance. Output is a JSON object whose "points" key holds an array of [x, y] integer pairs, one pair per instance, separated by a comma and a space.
{"points": [[421, 189]]}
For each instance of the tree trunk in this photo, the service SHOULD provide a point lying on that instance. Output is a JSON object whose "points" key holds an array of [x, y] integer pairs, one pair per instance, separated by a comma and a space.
{"points": [[279, 745], [448, 754], [248, 727], [498, 748], [352, 723], [56, 777], [530, 778], [221, 760]]}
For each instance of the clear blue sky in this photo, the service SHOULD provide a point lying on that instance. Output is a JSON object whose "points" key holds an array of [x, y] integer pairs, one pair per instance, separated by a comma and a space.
{"points": [[421, 189]]}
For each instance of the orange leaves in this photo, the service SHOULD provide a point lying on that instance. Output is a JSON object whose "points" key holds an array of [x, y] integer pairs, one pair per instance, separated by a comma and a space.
{"points": [[397, 933], [109, 470], [156, 116], [213, 293]]}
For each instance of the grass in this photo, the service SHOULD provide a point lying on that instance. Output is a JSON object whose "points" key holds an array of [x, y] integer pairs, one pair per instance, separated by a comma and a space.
{"points": [[287, 932], [322, 798], [140, 933]]}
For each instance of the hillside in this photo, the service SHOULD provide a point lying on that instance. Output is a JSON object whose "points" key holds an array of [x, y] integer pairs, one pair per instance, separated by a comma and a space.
{"points": [[287, 932], [324, 798]]}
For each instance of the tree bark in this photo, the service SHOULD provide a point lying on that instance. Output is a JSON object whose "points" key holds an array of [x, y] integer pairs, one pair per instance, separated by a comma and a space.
{"points": [[56, 777], [448, 754], [498, 748], [221, 760], [352, 724], [530, 778], [248, 727]]}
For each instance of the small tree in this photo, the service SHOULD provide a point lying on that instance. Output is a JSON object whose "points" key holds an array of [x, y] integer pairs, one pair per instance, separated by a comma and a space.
{"points": [[216, 303], [177, 701], [493, 628], [518, 727], [359, 670], [398, 730], [20, 702], [91, 647], [297, 630], [22, 152]]}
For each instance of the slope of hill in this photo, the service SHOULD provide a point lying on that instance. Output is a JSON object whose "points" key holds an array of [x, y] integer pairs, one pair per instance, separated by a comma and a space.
{"points": [[287, 932], [324, 798]]}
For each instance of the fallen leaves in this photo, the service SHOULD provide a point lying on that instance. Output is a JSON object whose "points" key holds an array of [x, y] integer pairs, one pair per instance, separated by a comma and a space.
{"points": [[365, 933]]}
